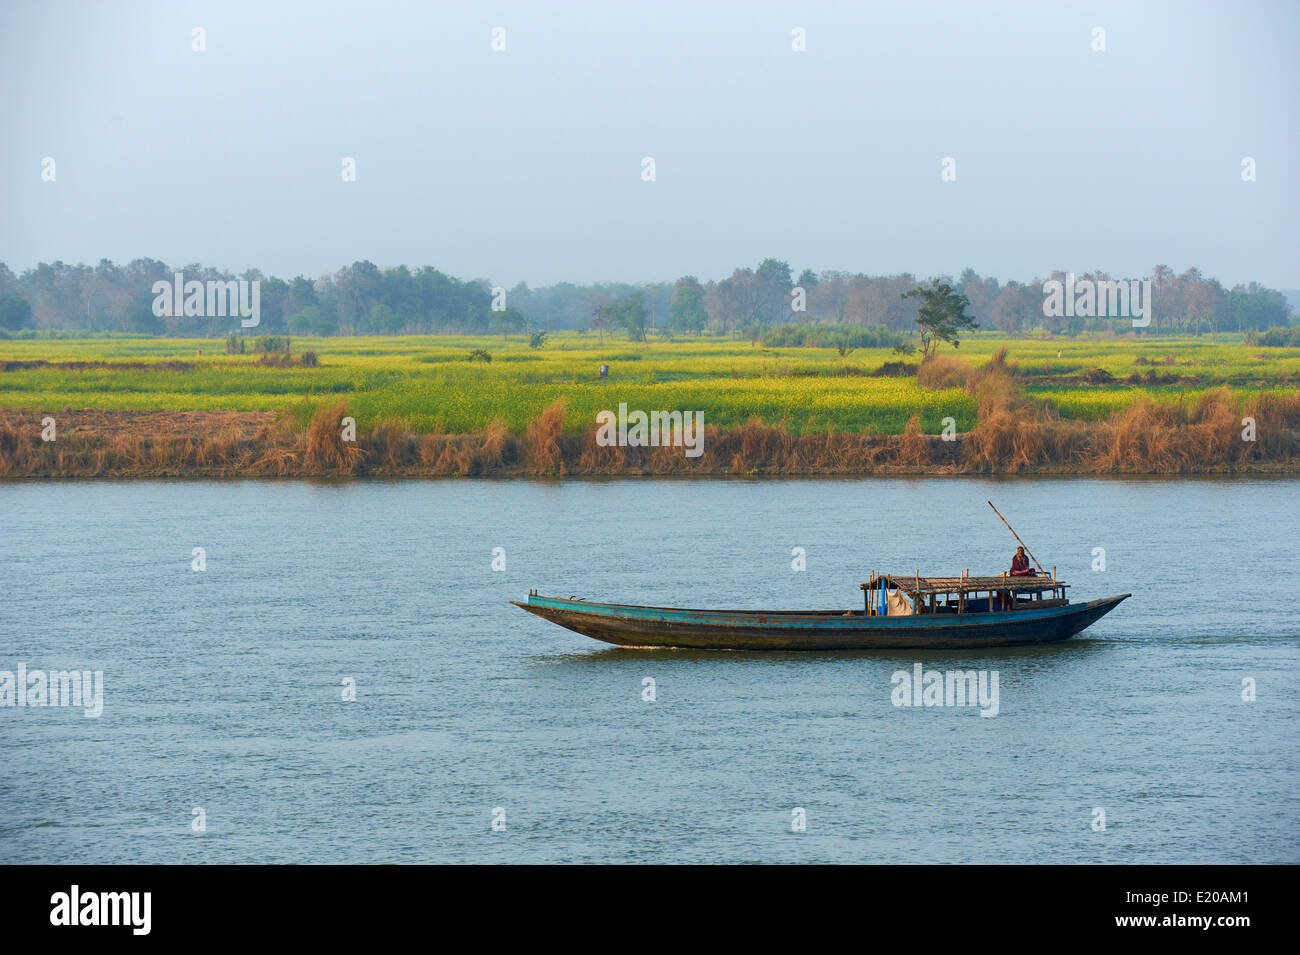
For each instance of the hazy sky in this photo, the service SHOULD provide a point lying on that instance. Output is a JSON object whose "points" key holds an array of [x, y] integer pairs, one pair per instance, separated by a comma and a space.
{"points": [[527, 164]]}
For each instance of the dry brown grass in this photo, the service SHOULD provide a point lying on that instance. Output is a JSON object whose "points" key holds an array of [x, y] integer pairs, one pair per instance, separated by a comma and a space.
{"points": [[1148, 437], [755, 446], [495, 448], [456, 458], [1006, 440], [277, 461], [995, 367], [16, 450], [324, 448], [1009, 434], [597, 459], [431, 448], [1277, 423], [944, 371], [1013, 434], [390, 447], [949, 371], [666, 459], [541, 446], [1279, 410], [1216, 429], [913, 447], [1138, 438]]}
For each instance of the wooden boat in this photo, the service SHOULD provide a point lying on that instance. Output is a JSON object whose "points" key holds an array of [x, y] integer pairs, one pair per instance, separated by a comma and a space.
{"points": [[898, 613]]}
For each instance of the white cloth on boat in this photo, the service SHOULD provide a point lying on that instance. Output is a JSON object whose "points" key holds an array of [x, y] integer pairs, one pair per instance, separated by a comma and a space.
{"points": [[898, 605]]}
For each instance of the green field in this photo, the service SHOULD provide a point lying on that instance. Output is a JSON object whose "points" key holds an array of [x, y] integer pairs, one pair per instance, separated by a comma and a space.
{"points": [[426, 383]]}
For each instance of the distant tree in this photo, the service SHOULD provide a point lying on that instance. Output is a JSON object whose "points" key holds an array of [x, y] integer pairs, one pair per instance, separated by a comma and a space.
{"points": [[511, 320], [140, 317], [275, 305], [15, 312], [630, 314], [384, 319], [658, 297], [942, 315], [983, 294], [313, 320], [774, 283], [363, 299], [1280, 337], [1202, 301], [303, 292], [1254, 308], [271, 344], [737, 300], [845, 349], [357, 287], [1165, 299], [687, 313], [537, 340]]}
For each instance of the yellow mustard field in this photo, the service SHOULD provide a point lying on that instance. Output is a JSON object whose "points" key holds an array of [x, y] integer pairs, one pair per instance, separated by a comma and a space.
{"points": [[428, 383]]}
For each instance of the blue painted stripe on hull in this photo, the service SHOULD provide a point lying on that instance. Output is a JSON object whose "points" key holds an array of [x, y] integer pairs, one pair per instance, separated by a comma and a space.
{"points": [[826, 620]]}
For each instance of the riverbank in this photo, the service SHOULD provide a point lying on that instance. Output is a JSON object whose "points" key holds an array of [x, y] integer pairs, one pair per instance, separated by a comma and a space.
{"points": [[418, 408], [1220, 434]]}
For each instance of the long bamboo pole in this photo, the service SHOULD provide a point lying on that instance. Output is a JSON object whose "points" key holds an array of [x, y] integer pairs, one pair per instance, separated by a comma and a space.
{"points": [[1017, 537]]}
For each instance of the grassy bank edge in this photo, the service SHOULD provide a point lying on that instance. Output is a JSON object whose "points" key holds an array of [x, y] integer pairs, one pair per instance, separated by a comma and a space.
{"points": [[1012, 437]]}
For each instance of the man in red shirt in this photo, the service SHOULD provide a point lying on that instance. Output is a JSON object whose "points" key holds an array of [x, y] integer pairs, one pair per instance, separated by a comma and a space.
{"points": [[1019, 568], [1020, 565]]}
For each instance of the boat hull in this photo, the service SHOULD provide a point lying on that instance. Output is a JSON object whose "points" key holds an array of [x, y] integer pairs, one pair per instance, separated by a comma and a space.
{"points": [[626, 625]]}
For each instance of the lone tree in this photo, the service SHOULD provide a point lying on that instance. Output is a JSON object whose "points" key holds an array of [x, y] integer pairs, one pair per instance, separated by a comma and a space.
{"points": [[632, 316], [687, 312], [511, 320], [845, 349], [599, 322], [942, 315], [629, 313]]}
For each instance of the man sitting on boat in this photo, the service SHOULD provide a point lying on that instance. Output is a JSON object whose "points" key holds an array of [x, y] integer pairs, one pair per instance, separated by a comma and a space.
{"points": [[1019, 568], [1020, 565]]}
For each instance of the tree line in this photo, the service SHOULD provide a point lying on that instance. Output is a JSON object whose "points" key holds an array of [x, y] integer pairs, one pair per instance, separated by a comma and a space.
{"points": [[362, 299]]}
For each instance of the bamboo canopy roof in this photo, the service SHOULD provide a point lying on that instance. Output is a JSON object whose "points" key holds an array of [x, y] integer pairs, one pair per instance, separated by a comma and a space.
{"points": [[914, 585]]}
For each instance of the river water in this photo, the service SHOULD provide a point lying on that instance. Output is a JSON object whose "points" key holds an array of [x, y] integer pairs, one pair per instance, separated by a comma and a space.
{"points": [[223, 688]]}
